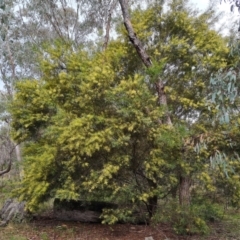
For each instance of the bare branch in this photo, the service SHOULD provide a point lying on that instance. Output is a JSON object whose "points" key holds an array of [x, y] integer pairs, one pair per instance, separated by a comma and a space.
{"points": [[55, 21], [10, 91], [108, 25], [7, 169]]}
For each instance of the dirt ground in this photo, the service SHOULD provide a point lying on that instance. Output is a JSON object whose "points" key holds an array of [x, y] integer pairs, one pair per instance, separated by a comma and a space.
{"points": [[48, 229]]}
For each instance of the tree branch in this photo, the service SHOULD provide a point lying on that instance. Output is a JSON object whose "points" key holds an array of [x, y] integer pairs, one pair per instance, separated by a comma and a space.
{"points": [[108, 24], [159, 85], [7, 169], [132, 35]]}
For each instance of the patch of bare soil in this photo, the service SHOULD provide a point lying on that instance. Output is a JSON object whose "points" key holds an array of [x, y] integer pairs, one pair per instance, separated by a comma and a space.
{"points": [[56, 230], [118, 232], [49, 229]]}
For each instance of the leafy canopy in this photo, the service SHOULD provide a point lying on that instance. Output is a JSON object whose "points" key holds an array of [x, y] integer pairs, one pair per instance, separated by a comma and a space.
{"points": [[91, 123]]}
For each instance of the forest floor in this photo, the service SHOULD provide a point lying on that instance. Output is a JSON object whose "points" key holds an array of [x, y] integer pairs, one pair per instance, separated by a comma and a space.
{"points": [[49, 229]]}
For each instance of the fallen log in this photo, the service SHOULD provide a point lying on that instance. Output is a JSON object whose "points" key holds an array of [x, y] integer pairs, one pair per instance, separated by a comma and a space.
{"points": [[81, 211]]}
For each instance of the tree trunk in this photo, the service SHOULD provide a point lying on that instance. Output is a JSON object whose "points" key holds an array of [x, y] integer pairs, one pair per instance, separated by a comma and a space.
{"points": [[18, 153], [152, 206], [162, 99], [108, 24], [133, 36], [184, 190], [81, 211], [8, 168], [174, 191], [152, 201], [159, 85]]}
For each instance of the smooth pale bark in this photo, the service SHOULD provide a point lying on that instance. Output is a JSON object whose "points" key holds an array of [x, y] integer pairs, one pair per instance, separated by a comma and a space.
{"points": [[18, 153], [108, 24]]}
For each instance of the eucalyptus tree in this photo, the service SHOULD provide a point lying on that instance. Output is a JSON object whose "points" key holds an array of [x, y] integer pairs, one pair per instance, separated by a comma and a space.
{"points": [[9, 59], [6, 145]]}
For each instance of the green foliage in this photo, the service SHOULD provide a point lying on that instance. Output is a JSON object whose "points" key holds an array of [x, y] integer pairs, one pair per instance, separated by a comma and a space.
{"points": [[44, 236], [189, 49], [189, 221], [91, 125], [17, 238], [185, 225], [91, 134], [223, 94], [155, 71], [111, 216]]}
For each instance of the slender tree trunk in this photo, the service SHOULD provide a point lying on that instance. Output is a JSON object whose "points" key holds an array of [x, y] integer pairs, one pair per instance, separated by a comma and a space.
{"points": [[162, 99], [9, 162], [152, 201], [152, 206], [8, 168], [18, 153], [133, 36], [184, 191], [159, 85], [19, 159], [108, 24], [174, 191]]}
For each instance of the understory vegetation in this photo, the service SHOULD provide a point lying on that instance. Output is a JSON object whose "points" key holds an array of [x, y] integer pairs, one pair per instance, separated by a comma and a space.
{"points": [[147, 120]]}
